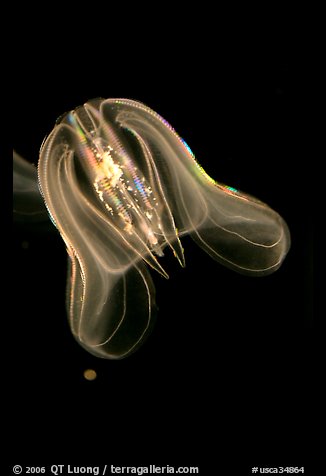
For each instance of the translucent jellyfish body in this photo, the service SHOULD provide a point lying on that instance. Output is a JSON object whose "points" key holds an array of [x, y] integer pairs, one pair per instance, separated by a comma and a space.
{"points": [[120, 185]]}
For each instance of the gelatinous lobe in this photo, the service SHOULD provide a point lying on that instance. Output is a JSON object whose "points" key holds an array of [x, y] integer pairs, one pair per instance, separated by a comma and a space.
{"points": [[28, 205], [120, 185]]}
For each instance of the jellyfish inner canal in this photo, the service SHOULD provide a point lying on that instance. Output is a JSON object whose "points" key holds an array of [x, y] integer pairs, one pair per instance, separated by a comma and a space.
{"points": [[135, 209]]}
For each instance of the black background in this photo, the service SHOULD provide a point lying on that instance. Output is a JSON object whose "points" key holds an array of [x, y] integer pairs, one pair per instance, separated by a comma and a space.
{"points": [[227, 375]]}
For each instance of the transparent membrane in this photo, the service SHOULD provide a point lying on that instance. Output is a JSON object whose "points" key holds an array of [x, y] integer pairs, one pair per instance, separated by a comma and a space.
{"points": [[28, 204], [121, 186]]}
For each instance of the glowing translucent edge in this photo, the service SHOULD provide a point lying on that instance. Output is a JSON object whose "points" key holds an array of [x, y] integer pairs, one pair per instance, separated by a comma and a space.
{"points": [[28, 205], [112, 228], [190, 154]]}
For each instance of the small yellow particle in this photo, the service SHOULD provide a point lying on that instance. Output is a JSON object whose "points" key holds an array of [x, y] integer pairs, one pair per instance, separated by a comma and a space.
{"points": [[90, 374]]}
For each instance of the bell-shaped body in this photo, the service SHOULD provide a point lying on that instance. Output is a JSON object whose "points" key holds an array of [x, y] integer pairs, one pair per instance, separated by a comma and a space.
{"points": [[121, 185]]}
